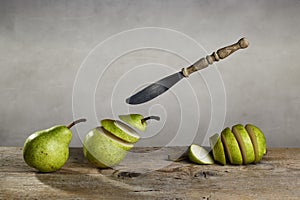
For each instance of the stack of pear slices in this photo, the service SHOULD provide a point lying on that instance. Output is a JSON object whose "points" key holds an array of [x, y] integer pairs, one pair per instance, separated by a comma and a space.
{"points": [[240, 145], [108, 145]]}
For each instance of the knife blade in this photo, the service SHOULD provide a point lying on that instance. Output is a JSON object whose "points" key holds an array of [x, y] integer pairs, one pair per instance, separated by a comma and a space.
{"points": [[155, 89], [161, 86]]}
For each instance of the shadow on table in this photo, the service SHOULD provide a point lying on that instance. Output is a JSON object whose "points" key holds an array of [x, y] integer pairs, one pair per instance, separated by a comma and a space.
{"points": [[80, 179]]}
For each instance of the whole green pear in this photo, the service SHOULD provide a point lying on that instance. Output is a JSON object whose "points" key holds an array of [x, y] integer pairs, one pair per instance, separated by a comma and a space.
{"points": [[48, 150]]}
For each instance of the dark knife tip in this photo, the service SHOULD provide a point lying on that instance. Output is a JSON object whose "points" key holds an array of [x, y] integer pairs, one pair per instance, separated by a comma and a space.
{"points": [[129, 101], [132, 101]]}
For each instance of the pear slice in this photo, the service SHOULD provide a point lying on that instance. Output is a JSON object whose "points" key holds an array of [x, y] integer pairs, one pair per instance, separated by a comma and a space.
{"points": [[137, 120], [217, 149], [120, 130], [199, 155], [103, 149], [231, 147], [245, 143], [258, 140]]}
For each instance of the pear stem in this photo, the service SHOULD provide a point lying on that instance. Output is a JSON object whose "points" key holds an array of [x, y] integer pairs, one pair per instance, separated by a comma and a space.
{"points": [[76, 122], [150, 117]]}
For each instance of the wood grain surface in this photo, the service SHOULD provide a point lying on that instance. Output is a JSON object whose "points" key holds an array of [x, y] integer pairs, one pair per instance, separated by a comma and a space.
{"points": [[146, 173]]}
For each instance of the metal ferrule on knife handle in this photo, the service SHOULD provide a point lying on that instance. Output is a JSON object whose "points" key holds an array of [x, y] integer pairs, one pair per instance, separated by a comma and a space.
{"points": [[215, 57]]}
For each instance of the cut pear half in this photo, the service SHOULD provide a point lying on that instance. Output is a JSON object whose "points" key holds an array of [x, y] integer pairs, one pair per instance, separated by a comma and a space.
{"points": [[231, 147], [258, 140], [199, 155], [103, 149], [245, 143], [120, 130], [217, 149]]}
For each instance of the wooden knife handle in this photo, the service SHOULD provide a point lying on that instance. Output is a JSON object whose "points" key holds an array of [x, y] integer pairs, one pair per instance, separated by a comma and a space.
{"points": [[215, 57]]}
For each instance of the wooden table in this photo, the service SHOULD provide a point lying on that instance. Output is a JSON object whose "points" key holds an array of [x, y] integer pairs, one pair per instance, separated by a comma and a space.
{"points": [[147, 174]]}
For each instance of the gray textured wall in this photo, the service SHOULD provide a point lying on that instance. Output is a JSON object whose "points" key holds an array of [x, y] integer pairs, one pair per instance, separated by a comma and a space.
{"points": [[43, 43]]}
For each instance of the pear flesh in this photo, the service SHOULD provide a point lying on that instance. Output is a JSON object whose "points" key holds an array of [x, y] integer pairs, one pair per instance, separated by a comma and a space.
{"points": [[48, 150], [199, 155], [231, 147], [217, 149], [245, 143], [103, 149], [120, 130]]}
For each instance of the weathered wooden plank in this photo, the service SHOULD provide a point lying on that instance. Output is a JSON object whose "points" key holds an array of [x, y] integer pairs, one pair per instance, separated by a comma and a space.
{"points": [[147, 174]]}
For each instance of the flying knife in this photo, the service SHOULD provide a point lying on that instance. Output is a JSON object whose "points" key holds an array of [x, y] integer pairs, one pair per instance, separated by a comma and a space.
{"points": [[161, 86]]}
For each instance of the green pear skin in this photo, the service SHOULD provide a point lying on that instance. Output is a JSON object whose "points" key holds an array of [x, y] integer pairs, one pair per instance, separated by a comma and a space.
{"points": [[199, 155], [48, 150], [217, 149], [125, 133], [231, 147], [258, 140], [245, 143], [135, 120], [103, 149]]}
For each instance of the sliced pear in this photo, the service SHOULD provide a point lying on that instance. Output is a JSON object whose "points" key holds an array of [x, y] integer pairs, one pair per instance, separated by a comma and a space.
{"points": [[199, 155], [103, 149], [120, 130], [231, 147], [258, 140], [245, 143], [137, 120], [217, 149]]}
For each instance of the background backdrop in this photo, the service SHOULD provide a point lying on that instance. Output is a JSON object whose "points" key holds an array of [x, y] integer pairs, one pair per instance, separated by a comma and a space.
{"points": [[43, 43]]}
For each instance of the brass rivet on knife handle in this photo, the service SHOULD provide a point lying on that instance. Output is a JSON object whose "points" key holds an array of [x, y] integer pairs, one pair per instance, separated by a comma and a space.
{"points": [[215, 57]]}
